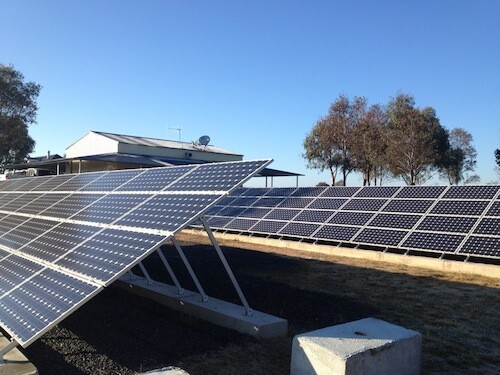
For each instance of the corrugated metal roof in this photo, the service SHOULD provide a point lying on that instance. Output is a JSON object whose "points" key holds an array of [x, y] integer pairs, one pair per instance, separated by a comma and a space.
{"points": [[155, 142]]}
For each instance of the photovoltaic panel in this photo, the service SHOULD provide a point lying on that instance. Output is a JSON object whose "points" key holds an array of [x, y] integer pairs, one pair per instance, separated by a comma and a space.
{"points": [[488, 226], [239, 191], [241, 224], [340, 191], [282, 214], [256, 192], [482, 246], [408, 206], [268, 202], [433, 241], [351, 218], [217, 222], [447, 224], [83, 231], [336, 232], [364, 204], [231, 211], [299, 229], [380, 236], [377, 191], [280, 192], [327, 203], [460, 207], [494, 210], [471, 192], [394, 221], [255, 212], [226, 201], [268, 226], [244, 201], [295, 202], [421, 192], [313, 216], [308, 192]]}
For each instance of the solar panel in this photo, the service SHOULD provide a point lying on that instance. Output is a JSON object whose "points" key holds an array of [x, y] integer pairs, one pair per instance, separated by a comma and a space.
{"points": [[459, 207], [351, 218], [67, 237], [377, 191], [308, 192], [482, 246], [255, 212], [408, 206], [471, 192], [327, 204], [488, 226], [394, 221], [313, 216], [380, 236], [268, 202], [268, 226], [241, 224], [299, 229], [364, 204], [281, 214], [494, 210], [336, 232], [340, 191], [433, 241], [421, 192], [280, 192], [294, 202], [447, 224]]}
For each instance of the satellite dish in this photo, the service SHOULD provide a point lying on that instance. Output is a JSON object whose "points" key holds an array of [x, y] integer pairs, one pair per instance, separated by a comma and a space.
{"points": [[204, 140]]}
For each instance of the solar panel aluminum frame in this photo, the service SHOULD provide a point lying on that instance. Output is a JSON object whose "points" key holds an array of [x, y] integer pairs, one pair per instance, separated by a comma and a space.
{"points": [[168, 235]]}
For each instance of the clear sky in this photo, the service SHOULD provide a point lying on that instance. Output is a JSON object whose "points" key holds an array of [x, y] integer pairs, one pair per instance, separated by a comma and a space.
{"points": [[253, 75]]}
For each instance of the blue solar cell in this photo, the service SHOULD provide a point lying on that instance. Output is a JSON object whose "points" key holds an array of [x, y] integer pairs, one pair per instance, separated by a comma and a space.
{"points": [[340, 191], [408, 206], [50, 182], [268, 226], [294, 202], [377, 191], [110, 207], [255, 212], [13, 185], [239, 191], [311, 216], [280, 192], [217, 176], [79, 181], [113, 180], [384, 237], [71, 205], [256, 192], [281, 214], [9, 222], [21, 202], [488, 226], [226, 201], [13, 202], [214, 210], [336, 232], [109, 253], [59, 240], [14, 270], [268, 202], [481, 246], [308, 192], [6, 198], [472, 192], [169, 212], [241, 224], [433, 241], [494, 210], [216, 222], [351, 218], [36, 304], [447, 224], [244, 201], [42, 203], [327, 203], [22, 234], [394, 221], [364, 204], [155, 179], [459, 207], [420, 192], [231, 211], [299, 229]]}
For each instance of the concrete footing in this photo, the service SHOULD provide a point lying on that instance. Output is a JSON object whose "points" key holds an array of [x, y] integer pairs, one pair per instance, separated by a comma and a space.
{"points": [[367, 346], [15, 362], [215, 311]]}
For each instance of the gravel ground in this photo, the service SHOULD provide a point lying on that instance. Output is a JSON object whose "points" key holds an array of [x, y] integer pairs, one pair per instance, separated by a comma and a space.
{"points": [[119, 333]]}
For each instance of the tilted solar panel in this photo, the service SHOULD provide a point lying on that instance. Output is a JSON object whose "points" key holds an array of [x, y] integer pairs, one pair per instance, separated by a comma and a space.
{"points": [[62, 244]]}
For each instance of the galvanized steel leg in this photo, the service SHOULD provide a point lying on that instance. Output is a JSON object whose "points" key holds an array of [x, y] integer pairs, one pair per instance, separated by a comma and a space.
{"points": [[248, 310], [170, 271], [11, 345], [204, 297], [146, 274]]}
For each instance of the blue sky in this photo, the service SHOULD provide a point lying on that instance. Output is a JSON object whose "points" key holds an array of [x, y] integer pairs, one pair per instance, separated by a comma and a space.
{"points": [[254, 75]]}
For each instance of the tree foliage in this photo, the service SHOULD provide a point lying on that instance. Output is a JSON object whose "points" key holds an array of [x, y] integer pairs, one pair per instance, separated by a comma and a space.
{"points": [[416, 141], [497, 156], [460, 158], [328, 145], [18, 109]]}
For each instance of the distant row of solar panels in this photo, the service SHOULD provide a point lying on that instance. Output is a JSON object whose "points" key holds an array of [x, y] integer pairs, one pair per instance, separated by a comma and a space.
{"points": [[440, 219]]}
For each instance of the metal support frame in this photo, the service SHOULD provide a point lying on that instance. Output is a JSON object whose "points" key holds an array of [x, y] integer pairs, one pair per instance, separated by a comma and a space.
{"points": [[146, 274], [204, 296], [7, 348], [248, 310], [180, 290]]}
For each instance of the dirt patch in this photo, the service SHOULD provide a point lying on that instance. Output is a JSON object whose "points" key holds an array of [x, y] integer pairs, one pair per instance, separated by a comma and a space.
{"points": [[119, 333]]}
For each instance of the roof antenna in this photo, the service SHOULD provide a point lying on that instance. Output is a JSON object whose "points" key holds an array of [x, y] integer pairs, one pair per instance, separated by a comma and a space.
{"points": [[178, 130]]}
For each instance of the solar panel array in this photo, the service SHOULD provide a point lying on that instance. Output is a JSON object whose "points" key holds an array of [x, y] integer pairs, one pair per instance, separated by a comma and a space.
{"points": [[64, 238], [439, 219]]}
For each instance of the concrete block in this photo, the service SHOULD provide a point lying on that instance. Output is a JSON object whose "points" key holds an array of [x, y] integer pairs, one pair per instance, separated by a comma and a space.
{"points": [[368, 346], [15, 362], [170, 370]]}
